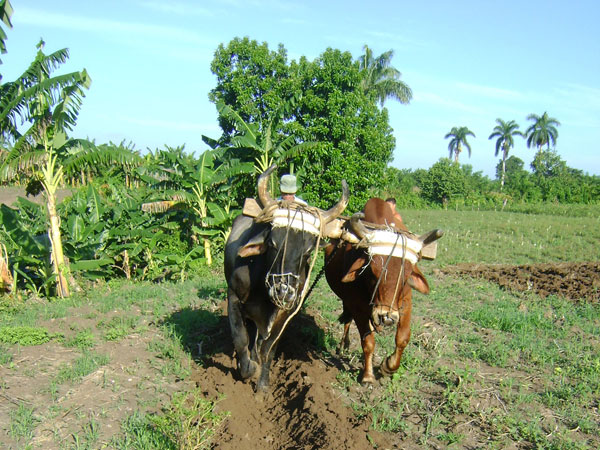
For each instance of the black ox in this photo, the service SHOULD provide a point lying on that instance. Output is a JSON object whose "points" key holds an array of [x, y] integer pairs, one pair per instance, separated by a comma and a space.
{"points": [[266, 267]]}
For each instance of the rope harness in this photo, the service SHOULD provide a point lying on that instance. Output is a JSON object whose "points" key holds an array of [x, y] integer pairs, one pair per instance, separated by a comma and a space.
{"points": [[272, 214], [291, 216], [386, 242]]}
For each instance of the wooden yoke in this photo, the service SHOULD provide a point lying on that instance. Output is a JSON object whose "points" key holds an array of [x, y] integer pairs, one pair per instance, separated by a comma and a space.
{"points": [[336, 230]]}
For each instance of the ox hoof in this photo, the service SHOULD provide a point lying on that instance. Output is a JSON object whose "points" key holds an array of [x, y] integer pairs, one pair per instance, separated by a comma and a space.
{"points": [[385, 369], [367, 380], [248, 370]]}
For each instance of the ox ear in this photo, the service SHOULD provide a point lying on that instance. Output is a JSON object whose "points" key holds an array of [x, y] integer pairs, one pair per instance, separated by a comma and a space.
{"points": [[255, 246], [354, 269], [417, 281]]}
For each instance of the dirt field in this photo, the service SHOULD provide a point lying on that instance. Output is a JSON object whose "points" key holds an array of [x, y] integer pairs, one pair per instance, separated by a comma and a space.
{"points": [[304, 409], [8, 195], [305, 412], [575, 281]]}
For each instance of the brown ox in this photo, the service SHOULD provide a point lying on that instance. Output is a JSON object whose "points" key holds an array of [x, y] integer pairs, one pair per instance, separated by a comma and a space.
{"points": [[376, 287]]}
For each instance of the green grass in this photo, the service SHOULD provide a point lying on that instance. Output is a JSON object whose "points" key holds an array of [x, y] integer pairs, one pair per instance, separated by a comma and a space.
{"points": [[118, 327], [87, 363], [189, 422], [5, 355], [22, 423], [83, 339], [495, 237], [139, 433], [87, 438], [24, 335], [501, 368]]}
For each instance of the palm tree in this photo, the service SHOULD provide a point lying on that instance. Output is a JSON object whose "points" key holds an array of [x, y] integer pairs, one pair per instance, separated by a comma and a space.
{"points": [[505, 131], [380, 80], [459, 138], [542, 131]]}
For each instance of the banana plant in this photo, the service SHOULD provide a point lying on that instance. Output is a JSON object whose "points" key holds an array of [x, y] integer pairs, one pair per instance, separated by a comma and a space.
{"points": [[206, 200], [259, 142], [260, 139], [51, 105]]}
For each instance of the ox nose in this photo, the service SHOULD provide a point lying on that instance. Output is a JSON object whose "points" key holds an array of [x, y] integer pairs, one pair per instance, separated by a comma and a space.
{"points": [[283, 293], [384, 318], [282, 289]]}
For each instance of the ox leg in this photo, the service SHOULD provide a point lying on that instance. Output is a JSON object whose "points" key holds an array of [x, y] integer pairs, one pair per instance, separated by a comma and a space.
{"points": [[266, 360], [392, 362], [239, 333], [344, 344], [267, 349], [367, 340]]}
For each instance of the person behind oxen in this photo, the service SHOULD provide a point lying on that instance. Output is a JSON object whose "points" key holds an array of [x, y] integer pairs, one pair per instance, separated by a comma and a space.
{"points": [[288, 188], [397, 217]]}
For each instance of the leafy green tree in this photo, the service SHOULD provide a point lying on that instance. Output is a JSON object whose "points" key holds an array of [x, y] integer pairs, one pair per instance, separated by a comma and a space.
{"points": [[445, 181], [380, 80], [518, 182], [548, 164], [355, 141], [317, 102], [253, 81], [505, 132], [542, 132], [403, 185], [458, 137], [253, 95]]}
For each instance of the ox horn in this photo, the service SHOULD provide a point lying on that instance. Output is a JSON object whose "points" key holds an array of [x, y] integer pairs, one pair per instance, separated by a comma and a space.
{"points": [[431, 236], [336, 210], [357, 226], [263, 193]]}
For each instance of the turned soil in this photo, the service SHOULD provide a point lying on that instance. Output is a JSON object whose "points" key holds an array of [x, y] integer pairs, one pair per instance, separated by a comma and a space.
{"points": [[305, 411], [576, 281]]}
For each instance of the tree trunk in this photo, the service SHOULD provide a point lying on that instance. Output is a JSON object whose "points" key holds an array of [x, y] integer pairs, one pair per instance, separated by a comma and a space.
{"points": [[207, 252], [503, 174], [59, 264]]}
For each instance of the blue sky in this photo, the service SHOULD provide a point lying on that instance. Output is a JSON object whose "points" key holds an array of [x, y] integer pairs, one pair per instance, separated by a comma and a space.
{"points": [[467, 62]]}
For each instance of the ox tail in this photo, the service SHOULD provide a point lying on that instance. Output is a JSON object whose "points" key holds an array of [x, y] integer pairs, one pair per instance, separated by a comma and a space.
{"points": [[345, 317]]}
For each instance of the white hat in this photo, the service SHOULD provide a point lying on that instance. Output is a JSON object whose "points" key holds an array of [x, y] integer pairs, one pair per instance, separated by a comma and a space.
{"points": [[288, 184]]}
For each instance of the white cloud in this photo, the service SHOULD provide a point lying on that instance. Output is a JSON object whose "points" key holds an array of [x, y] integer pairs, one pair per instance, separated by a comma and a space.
{"points": [[106, 27], [179, 8], [490, 92], [446, 102], [392, 39]]}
